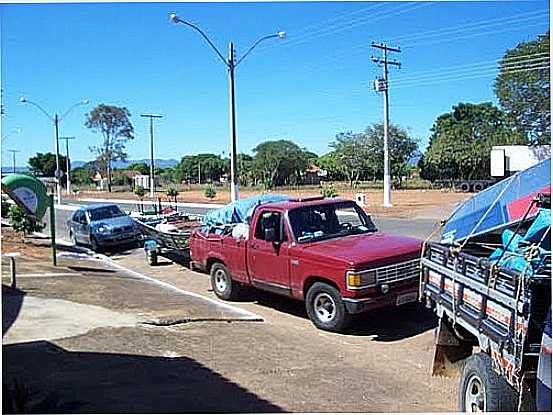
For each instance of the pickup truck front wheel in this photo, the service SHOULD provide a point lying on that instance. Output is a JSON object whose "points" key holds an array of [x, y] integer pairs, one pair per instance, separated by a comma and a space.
{"points": [[481, 389], [325, 307], [222, 284]]}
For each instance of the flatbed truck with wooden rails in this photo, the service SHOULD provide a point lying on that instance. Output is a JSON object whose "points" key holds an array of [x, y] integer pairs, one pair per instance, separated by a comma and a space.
{"points": [[494, 323]]}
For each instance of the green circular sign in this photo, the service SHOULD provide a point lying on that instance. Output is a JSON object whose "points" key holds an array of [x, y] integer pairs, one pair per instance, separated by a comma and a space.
{"points": [[28, 192]]}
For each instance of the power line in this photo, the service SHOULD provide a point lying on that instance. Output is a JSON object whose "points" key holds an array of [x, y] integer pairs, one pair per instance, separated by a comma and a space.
{"points": [[382, 14], [484, 74], [486, 63], [475, 68], [472, 26], [473, 35]]}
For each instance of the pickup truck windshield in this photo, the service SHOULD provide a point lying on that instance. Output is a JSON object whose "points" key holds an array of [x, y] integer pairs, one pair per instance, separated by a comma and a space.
{"points": [[105, 212], [329, 221]]}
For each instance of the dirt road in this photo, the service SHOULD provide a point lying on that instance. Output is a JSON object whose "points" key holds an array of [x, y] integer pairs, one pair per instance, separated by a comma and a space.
{"points": [[186, 354]]}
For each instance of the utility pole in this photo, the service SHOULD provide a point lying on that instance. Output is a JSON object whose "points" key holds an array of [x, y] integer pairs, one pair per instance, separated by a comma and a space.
{"points": [[13, 157], [381, 85], [199, 172], [234, 196], [67, 165], [152, 182]]}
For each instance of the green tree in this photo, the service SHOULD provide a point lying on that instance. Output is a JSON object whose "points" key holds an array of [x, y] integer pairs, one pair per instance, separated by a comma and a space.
{"points": [[331, 164], [402, 148], [206, 166], [524, 90], [44, 164], [351, 153], [279, 162], [461, 141], [142, 168], [83, 174], [116, 129]]}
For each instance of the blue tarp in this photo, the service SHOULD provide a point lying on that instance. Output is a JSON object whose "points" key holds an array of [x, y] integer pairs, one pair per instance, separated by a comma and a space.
{"points": [[498, 206], [515, 246], [239, 211]]}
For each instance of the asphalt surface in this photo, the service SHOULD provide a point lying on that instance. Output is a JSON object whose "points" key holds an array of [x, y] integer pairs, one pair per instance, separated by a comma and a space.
{"points": [[418, 228]]}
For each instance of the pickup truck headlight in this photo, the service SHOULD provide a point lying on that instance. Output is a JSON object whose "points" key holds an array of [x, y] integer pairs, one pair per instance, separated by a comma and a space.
{"points": [[356, 280]]}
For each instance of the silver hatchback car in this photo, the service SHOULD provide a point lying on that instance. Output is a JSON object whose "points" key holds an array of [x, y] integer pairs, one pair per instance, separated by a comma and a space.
{"points": [[102, 226]]}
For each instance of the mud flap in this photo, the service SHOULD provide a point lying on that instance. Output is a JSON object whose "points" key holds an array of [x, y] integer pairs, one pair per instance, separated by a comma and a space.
{"points": [[450, 351]]}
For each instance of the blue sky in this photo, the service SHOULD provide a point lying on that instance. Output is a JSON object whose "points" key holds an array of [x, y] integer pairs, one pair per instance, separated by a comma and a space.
{"points": [[307, 88]]}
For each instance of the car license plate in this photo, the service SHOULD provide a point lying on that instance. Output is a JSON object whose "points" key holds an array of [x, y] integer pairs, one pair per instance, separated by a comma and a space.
{"points": [[407, 298]]}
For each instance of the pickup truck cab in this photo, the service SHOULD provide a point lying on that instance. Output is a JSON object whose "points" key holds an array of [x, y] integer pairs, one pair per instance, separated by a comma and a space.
{"points": [[326, 252]]}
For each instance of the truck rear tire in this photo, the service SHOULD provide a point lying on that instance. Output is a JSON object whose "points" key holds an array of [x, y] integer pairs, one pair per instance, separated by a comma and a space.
{"points": [[222, 284], [481, 389], [325, 307]]}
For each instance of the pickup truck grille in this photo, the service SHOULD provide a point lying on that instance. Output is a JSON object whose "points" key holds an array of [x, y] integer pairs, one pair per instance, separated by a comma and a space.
{"points": [[398, 272]]}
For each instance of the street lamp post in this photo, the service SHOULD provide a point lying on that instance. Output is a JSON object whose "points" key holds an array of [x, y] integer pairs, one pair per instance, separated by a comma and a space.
{"points": [[13, 157], [67, 166], [56, 119], [231, 65], [152, 182]]}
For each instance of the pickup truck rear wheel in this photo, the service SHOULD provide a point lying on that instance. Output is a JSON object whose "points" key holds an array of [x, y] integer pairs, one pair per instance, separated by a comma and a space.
{"points": [[325, 307], [222, 284], [481, 389]]}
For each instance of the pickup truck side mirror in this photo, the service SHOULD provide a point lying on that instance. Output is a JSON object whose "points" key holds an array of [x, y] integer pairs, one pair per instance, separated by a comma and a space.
{"points": [[271, 235]]}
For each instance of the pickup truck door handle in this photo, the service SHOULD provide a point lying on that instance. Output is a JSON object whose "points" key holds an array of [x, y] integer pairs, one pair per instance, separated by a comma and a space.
{"points": [[253, 246]]}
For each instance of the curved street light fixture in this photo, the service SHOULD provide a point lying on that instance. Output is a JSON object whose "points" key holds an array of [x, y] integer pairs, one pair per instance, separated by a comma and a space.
{"points": [[55, 119], [231, 65]]}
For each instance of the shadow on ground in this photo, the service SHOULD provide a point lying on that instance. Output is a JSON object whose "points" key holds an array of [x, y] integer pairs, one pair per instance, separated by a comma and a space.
{"points": [[386, 324], [87, 382], [12, 299]]}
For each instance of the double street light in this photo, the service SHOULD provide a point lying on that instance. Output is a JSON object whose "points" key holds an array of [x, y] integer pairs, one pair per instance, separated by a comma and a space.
{"points": [[231, 64], [56, 120]]}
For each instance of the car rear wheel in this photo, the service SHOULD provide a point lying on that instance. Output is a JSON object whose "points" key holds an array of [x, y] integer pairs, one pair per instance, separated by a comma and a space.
{"points": [[482, 389], [325, 307], [222, 284]]}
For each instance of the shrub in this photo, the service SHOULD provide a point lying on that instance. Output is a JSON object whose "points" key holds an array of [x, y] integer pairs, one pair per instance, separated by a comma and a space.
{"points": [[328, 191], [210, 192], [21, 222], [5, 208], [140, 191], [172, 192]]}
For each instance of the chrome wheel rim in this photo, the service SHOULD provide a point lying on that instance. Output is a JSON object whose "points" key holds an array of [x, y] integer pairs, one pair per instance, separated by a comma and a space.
{"points": [[475, 395], [221, 282], [325, 307]]}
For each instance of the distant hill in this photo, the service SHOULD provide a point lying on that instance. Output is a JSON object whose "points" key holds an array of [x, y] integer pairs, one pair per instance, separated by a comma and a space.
{"points": [[8, 169], [162, 163]]}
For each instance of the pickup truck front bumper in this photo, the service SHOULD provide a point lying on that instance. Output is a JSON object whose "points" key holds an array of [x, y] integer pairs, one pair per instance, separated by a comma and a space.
{"points": [[396, 297]]}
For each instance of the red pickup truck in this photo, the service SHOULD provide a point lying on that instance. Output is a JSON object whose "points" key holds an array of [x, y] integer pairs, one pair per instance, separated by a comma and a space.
{"points": [[326, 252]]}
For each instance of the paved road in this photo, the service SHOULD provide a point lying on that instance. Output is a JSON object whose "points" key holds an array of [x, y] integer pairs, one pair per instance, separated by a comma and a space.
{"points": [[418, 228]]}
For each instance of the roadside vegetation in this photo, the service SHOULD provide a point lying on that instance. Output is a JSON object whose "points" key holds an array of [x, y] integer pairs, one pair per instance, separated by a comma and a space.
{"points": [[458, 147]]}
